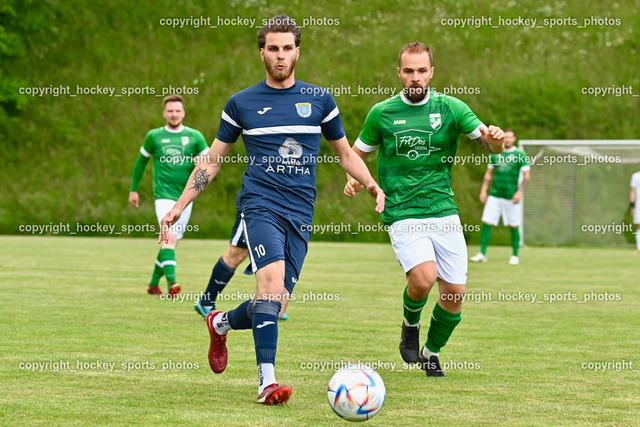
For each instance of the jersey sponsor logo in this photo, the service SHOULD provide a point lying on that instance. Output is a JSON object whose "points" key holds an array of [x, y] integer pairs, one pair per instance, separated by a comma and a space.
{"points": [[185, 140], [264, 110], [303, 109], [414, 143], [294, 280], [289, 153], [435, 120], [399, 122], [172, 151], [166, 140], [290, 149]]}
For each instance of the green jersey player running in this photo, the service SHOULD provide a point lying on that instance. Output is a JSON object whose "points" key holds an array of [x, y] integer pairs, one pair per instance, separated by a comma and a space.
{"points": [[504, 199], [417, 135], [174, 148]]}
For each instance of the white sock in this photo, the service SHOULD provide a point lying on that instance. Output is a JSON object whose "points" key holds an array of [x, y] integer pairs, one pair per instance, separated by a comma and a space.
{"points": [[266, 376], [221, 323], [426, 353], [638, 238], [407, 323]]}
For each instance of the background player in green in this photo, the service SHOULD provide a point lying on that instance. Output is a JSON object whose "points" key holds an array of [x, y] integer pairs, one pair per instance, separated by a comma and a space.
{"points": [[504, 199], [417, 134], [174, 148]]}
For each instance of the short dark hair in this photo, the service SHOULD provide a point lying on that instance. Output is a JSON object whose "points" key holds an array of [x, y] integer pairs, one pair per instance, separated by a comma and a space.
{"points": [[415, 47], [505, 130], [279, 24], [172, 98]]}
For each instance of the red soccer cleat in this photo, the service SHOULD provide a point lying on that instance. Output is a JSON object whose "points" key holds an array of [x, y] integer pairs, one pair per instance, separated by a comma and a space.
{"points": [[174, 288], [218, 346], [275, 394], [154, 290]]}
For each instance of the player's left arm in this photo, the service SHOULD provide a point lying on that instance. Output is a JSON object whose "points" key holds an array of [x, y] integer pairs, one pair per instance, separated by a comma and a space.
{"points": [[526, 175], [353, 164]]}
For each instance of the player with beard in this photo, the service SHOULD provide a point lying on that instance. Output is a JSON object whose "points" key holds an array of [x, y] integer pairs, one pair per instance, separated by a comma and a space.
{"points": [[174, 148], [417, 134], [281, 120]]}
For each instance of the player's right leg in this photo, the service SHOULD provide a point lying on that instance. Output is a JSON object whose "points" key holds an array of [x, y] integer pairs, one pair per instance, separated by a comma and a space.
{"points": [[414, 251], [637, 222], [490, 217]]}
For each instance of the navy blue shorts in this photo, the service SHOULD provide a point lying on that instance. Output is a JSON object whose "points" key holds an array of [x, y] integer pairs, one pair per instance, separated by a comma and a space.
{"points": [[237, 234], [271, 237]]}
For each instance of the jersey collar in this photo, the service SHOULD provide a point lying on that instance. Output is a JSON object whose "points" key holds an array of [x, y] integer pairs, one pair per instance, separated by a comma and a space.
{"points": [[180, 129], [424, 101], [510, 150]]}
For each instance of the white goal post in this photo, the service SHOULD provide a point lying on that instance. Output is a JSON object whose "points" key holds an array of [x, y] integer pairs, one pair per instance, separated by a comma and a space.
{"points": [[579, 191]]}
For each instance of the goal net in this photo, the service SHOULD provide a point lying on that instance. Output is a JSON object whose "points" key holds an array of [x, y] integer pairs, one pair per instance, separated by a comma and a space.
{"points": [[579, 191]]}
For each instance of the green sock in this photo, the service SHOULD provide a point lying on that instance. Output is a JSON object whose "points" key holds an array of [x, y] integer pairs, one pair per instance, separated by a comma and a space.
{"points": [[157, 272], [485, 236], [515, 240], [412, 309], [168, 260], [442, 325]]}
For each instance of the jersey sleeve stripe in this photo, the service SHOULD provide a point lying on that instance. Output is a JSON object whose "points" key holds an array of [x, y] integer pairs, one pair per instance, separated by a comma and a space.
{"points": [[145, 152], [203, 152], [476, 133], [282, 129], [331, 115], [525, 168], [228, 119], [489, 166], [364, 147]]}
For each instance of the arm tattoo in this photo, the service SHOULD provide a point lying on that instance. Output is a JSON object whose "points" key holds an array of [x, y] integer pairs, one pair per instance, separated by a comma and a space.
{"points": [[486, 181], [200, 181], [523, 184], [482, 143]]}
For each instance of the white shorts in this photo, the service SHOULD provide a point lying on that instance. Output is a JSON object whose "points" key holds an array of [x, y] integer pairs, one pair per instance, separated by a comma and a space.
{"points": [[432, 239], [163, 206], [636, 215], [496, 207]]}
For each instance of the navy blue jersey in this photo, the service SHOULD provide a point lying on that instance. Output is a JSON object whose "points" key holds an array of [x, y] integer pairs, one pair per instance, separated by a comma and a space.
{"points": [[281, 131]]}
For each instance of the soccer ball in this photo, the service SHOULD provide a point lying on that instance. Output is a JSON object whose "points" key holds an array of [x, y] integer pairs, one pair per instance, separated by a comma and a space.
{"points": [[356, 393]]}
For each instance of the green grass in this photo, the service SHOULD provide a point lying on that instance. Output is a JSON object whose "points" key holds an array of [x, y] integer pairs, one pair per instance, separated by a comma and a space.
{"points": [[83, 299]]}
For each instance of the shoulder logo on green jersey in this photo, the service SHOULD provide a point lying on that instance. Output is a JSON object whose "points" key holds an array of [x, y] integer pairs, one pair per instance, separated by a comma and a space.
{"points": [[435, 120], [185, 140], [414, 143]]}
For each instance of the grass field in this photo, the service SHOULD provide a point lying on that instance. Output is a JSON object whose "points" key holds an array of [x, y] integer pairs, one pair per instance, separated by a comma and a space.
{"points": [[76, 301]]}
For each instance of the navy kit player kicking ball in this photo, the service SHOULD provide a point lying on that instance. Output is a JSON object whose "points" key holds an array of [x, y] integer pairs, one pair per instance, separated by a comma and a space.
{"points": [[281, 120]]}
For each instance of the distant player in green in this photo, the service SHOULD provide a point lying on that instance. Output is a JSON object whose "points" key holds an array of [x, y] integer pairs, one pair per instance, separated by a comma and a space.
{"points": [[417, 135], [504, 199], [174, 148]]}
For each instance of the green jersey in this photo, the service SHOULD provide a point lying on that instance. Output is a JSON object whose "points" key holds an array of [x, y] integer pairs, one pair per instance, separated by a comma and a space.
{"points": [[418, 143], [506, 171], [173, 154]]}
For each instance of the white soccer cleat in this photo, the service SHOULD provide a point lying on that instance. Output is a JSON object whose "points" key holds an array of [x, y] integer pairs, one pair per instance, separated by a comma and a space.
{"points": [[479, 257], [514, 260]]}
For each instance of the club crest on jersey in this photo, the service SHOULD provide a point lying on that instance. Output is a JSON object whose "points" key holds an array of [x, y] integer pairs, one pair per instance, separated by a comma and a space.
{"points": [[303, 109], [435, 121], [414, 143], [185, 140]]}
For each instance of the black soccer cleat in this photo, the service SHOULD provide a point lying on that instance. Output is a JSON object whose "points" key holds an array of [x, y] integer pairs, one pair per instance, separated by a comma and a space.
{"points": [[410, 343], [431, 366]]}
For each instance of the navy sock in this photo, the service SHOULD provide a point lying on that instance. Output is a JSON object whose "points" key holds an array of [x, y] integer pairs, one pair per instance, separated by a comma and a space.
{"points": [[240, 317], [220, 276], [265, 330]]}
